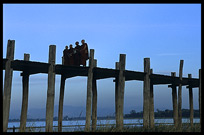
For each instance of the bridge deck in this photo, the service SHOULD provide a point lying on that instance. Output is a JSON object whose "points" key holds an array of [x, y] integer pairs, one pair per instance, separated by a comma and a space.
{"points": [[32, 67]]}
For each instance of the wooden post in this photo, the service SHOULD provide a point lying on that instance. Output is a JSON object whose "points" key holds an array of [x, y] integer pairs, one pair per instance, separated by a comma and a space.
{"points": [[94, 101], [50, 89], [146, 93], [151, 103], [180, 96], [121, 87], [116, 97], [199, 96], [89, 90], [8, 83], [61, 102], [24, 107], [191, 102], [174, 101]]}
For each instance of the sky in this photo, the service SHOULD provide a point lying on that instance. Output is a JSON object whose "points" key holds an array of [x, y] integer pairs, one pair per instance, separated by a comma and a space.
{"points": [[165, 33]]}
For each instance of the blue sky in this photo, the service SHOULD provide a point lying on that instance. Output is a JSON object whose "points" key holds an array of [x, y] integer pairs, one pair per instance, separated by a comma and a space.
{"points": [[166, 33]]}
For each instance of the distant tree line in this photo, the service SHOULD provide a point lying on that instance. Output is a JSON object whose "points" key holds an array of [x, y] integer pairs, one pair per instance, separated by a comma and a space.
{"points": [[133, 114], [162, 114]]}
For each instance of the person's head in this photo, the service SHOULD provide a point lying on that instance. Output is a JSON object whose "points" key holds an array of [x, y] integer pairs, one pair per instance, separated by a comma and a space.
{"points": [[82, 41], [70, 46], [66, 47], [76, 43]]}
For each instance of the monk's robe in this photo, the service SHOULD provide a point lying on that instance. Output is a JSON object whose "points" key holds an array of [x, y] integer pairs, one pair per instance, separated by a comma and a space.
{"points": [[77, 56], [84, 54], [71, 56], [65, 56]]}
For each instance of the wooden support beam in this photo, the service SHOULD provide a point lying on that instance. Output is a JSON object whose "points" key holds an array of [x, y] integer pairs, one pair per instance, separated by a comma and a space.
{"points": [[94, 101], [151, 103], [174, 101], [121, 88], [24, 108], [89, 90], [146, 93], [8, 83], [199, 97], [180, 96], [61, 102], [116, 97], [50, 89], [191, 102]]}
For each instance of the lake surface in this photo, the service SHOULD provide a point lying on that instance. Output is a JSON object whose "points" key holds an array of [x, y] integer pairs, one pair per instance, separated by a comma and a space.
{"points": [[79, 125]]}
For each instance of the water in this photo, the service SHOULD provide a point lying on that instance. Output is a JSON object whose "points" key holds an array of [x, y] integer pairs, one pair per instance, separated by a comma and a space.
{"points": [[80, 124]]}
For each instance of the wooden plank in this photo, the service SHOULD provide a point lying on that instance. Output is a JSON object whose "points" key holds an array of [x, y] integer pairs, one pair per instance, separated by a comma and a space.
{"points": [[146, 93], [191, 103], [174, 101], [24, 108], [121, 89], [8, 83], [89, 91], [50, 89], [94, 101], [103, 73], [116, 97], [151, 103], [134, 75], [180, 96]]}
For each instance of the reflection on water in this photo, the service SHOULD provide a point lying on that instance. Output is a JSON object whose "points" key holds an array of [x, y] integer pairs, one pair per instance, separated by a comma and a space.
{"points": [[79, 125]]}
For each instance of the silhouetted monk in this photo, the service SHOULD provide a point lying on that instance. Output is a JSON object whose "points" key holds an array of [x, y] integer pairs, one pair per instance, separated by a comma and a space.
{"points": [[71, 55], [84, 52], [77, 54], [65, 55]]}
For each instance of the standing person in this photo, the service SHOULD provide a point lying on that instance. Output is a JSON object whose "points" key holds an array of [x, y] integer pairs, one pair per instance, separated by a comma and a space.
{"points": [[65, 56], [71, 55], [84, 53], [77, 55]]}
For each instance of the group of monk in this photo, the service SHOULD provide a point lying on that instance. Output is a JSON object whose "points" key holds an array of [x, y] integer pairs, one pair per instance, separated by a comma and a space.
{"points": [[76, 56]]}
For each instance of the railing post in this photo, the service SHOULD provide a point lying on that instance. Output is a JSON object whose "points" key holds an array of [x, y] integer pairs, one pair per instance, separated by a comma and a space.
{"points": [[8, 83], [24, 108], [50, 89]]}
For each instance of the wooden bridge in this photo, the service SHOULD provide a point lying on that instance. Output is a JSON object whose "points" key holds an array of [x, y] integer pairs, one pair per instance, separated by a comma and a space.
{"points": [[120, 75]]}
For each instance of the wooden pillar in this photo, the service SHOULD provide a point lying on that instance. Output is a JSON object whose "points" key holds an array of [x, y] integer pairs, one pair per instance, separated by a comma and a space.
{"points": [[174, 101], [121, 87], [61, 102], [180, 95], [50, 89], [191, 102], [8, 83], [199, 96], [151, 103], [89, 90], [24, 107], [146, 93], [116, 97], [94, 101]]}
